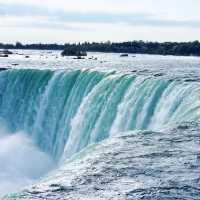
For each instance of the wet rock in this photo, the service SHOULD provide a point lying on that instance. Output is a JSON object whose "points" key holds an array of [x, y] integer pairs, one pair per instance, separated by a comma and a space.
{"points": [[192, 80], [79, 58], [144, 71], [3, 55], [4, 68], [60, 188], [124, 55], [183, 126], [158, 74], [5, 52], [93, 58]]}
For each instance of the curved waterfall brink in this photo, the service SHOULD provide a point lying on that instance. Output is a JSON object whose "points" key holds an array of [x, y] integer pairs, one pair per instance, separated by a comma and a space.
{"points": [[64, 111]]}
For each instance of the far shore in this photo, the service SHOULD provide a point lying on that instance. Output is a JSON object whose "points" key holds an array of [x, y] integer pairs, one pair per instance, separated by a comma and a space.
{"points": [[132, 47]]}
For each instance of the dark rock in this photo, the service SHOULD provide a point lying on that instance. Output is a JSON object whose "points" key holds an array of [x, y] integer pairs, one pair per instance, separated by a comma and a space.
{"points": [[27, 56], [60, 188], [183, 126], [3, 55], [4, 68], [5, 52], [79, 58], [159, 74], [124, 55], [144, 71], [191, 80]]}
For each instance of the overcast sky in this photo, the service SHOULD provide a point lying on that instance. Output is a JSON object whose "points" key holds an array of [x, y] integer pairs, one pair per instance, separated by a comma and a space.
{"points": [[61, 21]]}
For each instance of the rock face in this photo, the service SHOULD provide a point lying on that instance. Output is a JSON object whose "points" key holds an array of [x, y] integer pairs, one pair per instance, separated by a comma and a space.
{"points": [[73, 52]]}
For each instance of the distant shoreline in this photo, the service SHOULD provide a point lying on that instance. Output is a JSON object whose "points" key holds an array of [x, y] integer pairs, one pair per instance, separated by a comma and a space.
{"points": [[134, 47]]}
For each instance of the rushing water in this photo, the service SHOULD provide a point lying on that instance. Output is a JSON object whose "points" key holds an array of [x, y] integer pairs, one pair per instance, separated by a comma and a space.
{"points": [[122, 131]]}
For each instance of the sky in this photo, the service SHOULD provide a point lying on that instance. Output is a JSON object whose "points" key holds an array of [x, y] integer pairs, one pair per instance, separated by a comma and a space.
{"points": [[60, 21]]}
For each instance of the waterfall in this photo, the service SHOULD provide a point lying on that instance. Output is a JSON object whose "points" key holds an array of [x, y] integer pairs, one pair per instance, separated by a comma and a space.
{"points": [[64, 111]]}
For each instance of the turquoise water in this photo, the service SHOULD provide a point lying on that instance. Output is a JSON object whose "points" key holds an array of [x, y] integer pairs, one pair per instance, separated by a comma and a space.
{"points": [[121, 132]]}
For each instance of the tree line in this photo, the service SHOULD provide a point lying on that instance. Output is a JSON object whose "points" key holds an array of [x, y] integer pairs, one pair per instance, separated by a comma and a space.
{"points": [[139, 47]]}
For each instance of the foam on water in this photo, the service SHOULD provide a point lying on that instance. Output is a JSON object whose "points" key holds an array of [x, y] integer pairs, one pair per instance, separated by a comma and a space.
{"points": [[21, 162]]}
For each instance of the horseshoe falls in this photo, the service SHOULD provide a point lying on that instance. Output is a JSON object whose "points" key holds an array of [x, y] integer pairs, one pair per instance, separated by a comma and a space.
{"points": [[93, 133]]}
